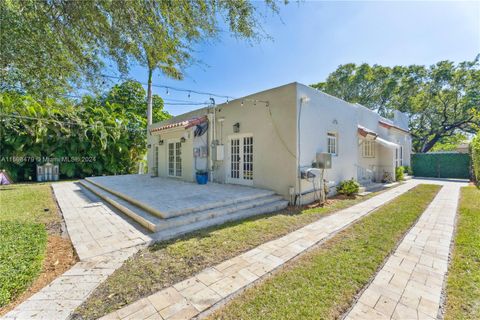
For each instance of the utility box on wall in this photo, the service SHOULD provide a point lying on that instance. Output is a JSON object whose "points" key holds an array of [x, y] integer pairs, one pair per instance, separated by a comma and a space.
{"points": [[323, 160], [218, 152]]}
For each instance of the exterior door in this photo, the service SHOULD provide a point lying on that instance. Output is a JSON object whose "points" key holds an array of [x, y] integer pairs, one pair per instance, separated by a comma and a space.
{"points": [[240, 169], [174, 159]]}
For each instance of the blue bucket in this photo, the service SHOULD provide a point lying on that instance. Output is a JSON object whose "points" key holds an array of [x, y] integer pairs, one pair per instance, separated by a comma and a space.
{"points": [[202, 177]]}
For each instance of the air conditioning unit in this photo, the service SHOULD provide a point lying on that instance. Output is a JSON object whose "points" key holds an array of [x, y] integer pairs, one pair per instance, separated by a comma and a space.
{"points": [[323, 160]]}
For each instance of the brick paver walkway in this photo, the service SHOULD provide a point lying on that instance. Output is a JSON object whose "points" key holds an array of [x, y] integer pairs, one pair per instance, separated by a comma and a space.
{"points": [[190, 297], [103, 241], [93, 228], [409, 286]]}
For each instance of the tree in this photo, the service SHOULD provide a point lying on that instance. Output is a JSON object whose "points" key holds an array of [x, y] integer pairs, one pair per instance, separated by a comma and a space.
{"points": [[97, 135], [442, 100], [75, 36], [449, 143], [130, 96]]}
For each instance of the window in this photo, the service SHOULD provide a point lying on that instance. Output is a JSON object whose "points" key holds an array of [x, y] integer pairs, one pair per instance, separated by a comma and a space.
{"points": [[175, 159], [368, 148], [156, 157], [248, 158], [332, 143], [399, 156]]}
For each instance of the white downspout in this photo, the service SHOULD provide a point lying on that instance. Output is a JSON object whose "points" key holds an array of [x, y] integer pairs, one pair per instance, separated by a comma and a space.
{"points": [[303, 100], [212, 140]]}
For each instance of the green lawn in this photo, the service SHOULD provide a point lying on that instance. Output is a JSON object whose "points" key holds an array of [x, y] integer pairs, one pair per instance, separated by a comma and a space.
{"points": [[23, 235], [167, 263], [323, 283], [463, 282]]}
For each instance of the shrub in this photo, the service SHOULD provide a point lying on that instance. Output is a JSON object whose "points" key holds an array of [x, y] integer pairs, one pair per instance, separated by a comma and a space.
{"points": [[399, 173], [408, 170], [348, 187], [475, 150]]}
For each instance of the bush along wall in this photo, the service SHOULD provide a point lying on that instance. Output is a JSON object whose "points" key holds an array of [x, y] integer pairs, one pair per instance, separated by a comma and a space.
{"points": [[441, 165], [475, 152]]}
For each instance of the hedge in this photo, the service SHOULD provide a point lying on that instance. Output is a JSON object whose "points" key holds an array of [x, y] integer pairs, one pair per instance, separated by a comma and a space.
{"points": [[475, 151], [441, 165]]}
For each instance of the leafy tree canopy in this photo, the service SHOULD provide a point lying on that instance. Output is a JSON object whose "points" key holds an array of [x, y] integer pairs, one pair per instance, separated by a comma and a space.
{"points": [[54, 45], [102, 134], [130, 96], [450, 143], [442, 100]]}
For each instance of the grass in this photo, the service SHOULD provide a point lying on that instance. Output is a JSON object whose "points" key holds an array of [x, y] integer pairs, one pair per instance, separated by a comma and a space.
{"points": [[463, 282], [167, 263], [323, 283], [26, 212]]}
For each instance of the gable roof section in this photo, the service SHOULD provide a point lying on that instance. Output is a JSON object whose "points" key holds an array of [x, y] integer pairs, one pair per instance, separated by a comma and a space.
{"points": [[364, 132], [185, 124], [390, 125]]}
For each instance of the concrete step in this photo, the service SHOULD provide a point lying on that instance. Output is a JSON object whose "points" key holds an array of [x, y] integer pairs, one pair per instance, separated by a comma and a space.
{"points": [[238, 215], [216, 212], [144, 218], [261, 193], [199, 218]]}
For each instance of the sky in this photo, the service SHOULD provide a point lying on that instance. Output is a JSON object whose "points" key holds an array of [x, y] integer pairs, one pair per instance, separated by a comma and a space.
{"points": [[310, 39]]}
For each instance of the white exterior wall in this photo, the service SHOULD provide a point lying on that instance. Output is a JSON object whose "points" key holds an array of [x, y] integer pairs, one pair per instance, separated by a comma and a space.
{"points": [[274, 131], [321, 115]]}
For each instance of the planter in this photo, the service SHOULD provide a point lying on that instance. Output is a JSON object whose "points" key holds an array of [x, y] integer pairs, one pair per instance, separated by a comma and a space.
{"points": [[202, 177]]}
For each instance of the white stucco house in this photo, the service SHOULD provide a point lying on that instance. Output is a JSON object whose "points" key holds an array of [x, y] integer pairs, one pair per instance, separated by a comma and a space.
{"points": [[270, 139]]}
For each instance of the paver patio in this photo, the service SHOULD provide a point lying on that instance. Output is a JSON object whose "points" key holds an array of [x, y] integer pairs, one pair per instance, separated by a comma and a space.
{"points": [[212, 286], [103, 241], [409, 286]]}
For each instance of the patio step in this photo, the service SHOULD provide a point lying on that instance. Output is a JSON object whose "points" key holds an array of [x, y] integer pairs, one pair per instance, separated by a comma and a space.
{"points": [[259, 194], [238, 215], [168, 228], [145, 219]]}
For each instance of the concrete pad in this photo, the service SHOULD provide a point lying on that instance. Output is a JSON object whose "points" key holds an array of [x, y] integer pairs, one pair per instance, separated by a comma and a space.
{"points": [[171, 197]]}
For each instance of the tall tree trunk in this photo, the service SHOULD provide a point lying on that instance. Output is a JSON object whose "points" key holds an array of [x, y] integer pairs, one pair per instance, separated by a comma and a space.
{"points": [[149, 97], [429, 144]]}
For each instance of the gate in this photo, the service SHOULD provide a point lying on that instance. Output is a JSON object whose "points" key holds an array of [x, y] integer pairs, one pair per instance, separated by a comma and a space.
{"points": [[441, 165]]}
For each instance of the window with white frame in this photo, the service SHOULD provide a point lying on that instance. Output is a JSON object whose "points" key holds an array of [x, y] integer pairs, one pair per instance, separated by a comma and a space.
{"points": [[332, 143], [368, 148], [399, 156]]}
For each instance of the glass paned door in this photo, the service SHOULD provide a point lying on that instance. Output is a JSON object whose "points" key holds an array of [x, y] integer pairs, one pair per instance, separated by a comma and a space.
{"points": [[175, 159], [241, 160]]}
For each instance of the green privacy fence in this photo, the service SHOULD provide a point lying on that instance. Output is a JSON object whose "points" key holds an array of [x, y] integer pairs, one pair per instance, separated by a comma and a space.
{"points": [[441, 165]]}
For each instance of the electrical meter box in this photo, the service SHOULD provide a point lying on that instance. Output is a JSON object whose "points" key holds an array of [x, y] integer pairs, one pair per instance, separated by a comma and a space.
{"points": [[200, 152], [218, 152], [323, 160], [203, 152], [196, 152]]}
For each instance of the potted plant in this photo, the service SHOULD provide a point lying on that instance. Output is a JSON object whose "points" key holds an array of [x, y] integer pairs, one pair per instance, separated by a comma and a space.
{"points": [[202, 176]]}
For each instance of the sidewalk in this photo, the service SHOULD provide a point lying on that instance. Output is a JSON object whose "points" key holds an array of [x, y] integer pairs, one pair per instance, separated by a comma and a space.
{"points": [[409, 286], [102, 240], [193, 296]]}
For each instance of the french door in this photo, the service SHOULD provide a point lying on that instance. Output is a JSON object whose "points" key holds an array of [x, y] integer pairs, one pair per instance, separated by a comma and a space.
{"points": [[240, 168], [175, 159]]}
